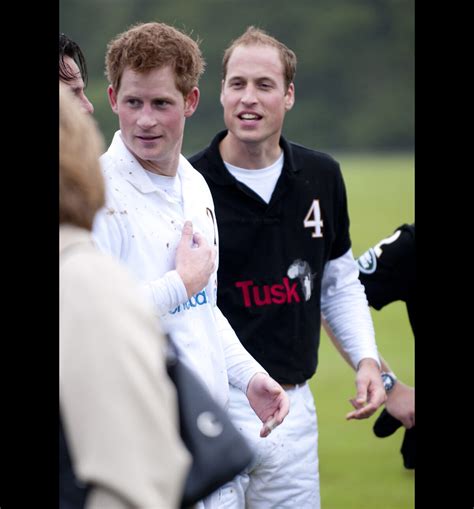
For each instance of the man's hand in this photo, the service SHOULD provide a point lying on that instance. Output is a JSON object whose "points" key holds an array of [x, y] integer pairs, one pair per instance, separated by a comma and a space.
{"points": [[401, 404], [268, 400], [370, 391], [195, 260]]}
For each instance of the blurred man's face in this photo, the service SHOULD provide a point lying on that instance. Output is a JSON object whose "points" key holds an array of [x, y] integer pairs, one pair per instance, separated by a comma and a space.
{"points": [[77, 84]]}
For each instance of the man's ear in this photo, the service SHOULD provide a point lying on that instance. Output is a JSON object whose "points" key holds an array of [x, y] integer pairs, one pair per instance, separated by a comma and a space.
{"points": [[191, 102], [112, 98], [290, 97], [222, 93]]}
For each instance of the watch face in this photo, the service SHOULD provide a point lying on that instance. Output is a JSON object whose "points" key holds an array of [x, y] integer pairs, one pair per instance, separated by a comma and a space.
{"points": [[388, 382]]}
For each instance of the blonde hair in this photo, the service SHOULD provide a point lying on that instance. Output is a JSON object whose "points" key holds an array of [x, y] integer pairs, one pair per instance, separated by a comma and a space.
{"points": [[148, 46], [256, 36], [81, 185]]}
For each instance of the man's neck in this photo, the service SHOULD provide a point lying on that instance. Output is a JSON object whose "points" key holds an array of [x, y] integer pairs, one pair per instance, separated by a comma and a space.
{"points": [[170, 169], [249, 155]]}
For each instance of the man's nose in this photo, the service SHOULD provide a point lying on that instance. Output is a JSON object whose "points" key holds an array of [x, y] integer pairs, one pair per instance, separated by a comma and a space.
{"points": [[249, 96], [87, 105], [146, 119]]}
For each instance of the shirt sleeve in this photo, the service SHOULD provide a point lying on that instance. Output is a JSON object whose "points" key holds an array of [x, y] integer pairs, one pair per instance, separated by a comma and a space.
{"points": [[387, 270], [342, 241], [344, 306], [241, 366], [108, 234], [166, 293]]}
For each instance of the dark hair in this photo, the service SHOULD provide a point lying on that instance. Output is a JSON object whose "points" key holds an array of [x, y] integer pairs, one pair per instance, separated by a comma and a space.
{"points": [[71, 49]]}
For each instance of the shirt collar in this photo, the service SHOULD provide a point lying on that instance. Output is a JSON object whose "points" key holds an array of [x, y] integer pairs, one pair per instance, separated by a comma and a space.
{"points": [[219, 173]]}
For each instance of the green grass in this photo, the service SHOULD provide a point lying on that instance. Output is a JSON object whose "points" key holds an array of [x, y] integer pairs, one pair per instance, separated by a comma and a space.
{"points": [[359, 470]]}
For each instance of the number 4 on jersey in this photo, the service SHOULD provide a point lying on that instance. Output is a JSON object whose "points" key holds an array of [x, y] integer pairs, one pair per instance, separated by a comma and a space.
{"points": [[313, 219]]}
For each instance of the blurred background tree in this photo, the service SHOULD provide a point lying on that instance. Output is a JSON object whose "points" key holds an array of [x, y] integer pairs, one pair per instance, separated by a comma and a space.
{"points": [[355, 75]]}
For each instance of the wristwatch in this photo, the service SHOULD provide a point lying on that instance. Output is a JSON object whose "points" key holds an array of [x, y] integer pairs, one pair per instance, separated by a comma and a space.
{"points": [[389, 380]]}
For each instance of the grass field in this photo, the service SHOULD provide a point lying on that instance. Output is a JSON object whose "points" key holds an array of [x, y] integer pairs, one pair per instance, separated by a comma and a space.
{"points": [[359, 470]]}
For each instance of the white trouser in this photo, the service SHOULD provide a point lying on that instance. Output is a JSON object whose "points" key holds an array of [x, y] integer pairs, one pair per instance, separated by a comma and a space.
{"points": [[285, 471]]}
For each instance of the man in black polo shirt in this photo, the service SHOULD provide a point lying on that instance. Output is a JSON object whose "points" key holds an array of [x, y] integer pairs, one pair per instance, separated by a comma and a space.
{"points": [[285, 259], [387, 272]]}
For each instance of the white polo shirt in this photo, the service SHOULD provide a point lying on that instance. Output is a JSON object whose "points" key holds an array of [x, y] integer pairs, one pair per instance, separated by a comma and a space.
{"points": [[141, 225]]}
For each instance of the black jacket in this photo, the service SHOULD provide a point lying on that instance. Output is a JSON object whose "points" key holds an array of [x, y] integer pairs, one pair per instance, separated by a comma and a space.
{"points": [[272, 256]]}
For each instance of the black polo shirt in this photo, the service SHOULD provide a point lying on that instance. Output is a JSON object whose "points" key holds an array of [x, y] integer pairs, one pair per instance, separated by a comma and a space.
{"points": [[272, 256]]}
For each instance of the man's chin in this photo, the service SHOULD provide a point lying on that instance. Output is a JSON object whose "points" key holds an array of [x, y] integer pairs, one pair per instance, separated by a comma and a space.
{"points": [[248, 135], [146, 155]]}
